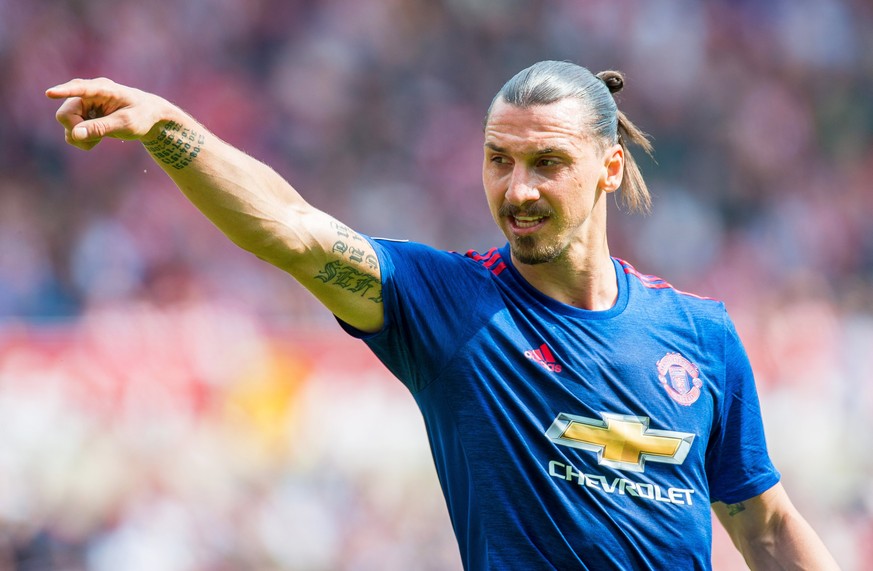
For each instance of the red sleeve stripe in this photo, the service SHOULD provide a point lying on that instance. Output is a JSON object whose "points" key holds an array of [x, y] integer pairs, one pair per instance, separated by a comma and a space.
{"points": [[476, 256], [654, 282], [490, 260]]}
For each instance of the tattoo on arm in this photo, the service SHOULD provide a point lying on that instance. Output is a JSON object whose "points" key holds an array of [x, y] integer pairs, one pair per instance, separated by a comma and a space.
{"points": [[734, 509], [344, 231], [176, 146], [356, 255], [350, 279], [347, 276], [348, 245]]}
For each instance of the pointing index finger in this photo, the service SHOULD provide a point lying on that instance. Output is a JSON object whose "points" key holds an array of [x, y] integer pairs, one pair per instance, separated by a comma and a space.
{"points": [[79, 88], [63, 90]]}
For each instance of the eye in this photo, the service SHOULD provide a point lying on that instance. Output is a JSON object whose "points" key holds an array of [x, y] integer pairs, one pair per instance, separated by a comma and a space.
{"points": [[498, 160], [548, 162]]}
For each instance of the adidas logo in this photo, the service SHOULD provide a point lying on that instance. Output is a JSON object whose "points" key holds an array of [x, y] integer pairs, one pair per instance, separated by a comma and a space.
{"points": [[544, 357]]}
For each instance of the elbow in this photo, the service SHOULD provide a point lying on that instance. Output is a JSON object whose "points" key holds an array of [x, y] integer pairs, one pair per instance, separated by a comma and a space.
{"points": [[276, 246], [762, 547], [279, 240], [760, 543], [786, 543]]}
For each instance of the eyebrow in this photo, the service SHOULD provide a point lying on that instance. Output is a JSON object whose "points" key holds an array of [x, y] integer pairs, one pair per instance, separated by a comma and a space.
{"points": [[538, 152]]}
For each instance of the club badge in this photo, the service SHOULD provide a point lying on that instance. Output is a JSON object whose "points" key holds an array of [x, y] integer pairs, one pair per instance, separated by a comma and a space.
{"points": [[680, 378]]}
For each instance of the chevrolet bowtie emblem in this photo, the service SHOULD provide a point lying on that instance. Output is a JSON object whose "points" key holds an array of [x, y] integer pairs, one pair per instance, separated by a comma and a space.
{"points": [[621, 441]]}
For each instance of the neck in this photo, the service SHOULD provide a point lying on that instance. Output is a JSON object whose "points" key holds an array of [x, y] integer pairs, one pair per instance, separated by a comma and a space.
{"points": [[585, 280]]}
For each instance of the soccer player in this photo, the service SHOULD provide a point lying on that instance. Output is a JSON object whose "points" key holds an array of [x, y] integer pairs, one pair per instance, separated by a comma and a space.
{"points": [[581, 414]]}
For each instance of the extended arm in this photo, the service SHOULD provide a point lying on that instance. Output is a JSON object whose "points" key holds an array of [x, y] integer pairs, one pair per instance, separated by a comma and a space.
{"points": [[244, 198], [771, 534]]}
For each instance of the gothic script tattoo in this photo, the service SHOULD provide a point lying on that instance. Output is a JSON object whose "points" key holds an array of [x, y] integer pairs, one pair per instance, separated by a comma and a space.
{"points": [[351, 279], [354, 254], [734, 509], [176, 146], [350, 245]]}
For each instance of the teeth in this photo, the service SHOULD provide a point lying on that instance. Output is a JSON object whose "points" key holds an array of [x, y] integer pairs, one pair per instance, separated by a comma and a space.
{"points": [[527, 221]]}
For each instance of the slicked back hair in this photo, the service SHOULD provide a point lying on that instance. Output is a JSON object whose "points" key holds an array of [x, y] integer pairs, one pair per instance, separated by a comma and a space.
{"points": [[550, 81]]}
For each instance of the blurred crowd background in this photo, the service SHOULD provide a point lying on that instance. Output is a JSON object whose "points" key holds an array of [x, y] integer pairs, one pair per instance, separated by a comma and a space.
{"points": [[168, 402]]}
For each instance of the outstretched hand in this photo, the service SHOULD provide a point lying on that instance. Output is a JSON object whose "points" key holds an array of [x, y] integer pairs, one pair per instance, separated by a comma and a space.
{"points": [[98, 108]]}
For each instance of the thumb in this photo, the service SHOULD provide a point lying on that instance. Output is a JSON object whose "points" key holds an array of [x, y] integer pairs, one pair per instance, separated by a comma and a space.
{"points": [[79, 133], [92, 129], [85, 134]]}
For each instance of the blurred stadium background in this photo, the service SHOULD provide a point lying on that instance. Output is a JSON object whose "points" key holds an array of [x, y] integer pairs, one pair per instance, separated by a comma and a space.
{"points": [[170, 403]]}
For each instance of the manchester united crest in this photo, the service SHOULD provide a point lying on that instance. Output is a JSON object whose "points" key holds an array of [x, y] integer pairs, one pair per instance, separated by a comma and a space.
{"points": [[680, 378]]}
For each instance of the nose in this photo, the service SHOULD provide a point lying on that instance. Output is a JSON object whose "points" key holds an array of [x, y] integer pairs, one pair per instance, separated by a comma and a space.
{"points": [[522, 187]]}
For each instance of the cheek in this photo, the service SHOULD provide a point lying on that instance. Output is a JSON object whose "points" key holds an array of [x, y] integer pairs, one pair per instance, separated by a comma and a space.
{"points": [[493, 190], [584, 186]]}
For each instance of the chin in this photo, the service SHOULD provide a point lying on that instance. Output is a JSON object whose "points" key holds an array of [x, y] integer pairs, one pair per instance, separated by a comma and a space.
{"points": [[526, 250]]}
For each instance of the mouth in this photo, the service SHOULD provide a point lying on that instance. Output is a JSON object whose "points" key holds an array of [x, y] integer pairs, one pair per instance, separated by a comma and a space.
{"points": [[524, 221], [528, 224]]}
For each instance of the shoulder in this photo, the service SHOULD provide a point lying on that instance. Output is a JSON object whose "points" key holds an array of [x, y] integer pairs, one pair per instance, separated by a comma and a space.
{"points": [[408, 254], [660, 302], [658, 287], [414, 267]]}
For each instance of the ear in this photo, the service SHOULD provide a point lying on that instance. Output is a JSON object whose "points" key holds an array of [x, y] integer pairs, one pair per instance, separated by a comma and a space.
{"points": [[613, 168]]}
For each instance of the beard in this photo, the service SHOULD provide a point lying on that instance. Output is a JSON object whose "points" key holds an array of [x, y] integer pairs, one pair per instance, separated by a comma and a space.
{"points": [[528, 250]]}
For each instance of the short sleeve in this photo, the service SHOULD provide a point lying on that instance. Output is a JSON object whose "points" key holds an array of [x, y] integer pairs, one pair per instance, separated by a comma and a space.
{"points": [[737, 463], [432, 303]]}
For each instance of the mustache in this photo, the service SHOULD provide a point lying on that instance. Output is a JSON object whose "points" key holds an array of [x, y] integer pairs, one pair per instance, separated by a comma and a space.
{"points": [[533, 210]]}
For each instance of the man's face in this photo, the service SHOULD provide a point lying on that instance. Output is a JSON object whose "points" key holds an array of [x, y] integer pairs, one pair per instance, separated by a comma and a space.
{"points": [[542, 177]]}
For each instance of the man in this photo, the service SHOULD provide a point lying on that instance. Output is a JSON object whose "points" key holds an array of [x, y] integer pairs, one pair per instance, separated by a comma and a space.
{"points": [[581, 415]]}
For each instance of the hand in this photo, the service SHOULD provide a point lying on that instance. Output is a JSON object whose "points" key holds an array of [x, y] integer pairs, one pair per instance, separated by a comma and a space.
{"points": [[97, 108]]}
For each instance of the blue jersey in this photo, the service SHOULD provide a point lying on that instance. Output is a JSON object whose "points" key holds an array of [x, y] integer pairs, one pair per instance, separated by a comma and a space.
{"points": [[565, 438]]}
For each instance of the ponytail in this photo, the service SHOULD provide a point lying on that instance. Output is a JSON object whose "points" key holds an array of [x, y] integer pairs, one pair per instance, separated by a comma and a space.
{"points": [[635, 194]]}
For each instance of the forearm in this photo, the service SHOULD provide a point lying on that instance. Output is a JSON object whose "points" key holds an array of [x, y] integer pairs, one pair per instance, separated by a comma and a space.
{"points": [[771, 534], [789, 543], [244, 198]]}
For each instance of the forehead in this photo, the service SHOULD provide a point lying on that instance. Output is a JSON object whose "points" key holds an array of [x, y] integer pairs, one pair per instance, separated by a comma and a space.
{"points": [[556, 124]]}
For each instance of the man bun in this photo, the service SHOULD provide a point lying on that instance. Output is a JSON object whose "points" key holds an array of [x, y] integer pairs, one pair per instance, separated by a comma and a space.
{"points": [[614, 80]]}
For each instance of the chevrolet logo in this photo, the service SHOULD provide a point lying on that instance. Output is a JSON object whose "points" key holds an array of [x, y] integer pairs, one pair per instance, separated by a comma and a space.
{"points": [[621, 441]]}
